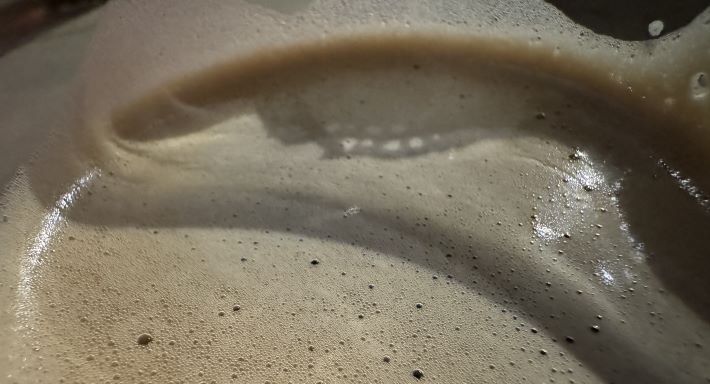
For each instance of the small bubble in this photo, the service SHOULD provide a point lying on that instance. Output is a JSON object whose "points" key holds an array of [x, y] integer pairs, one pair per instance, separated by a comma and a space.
{"points": [[699, 86], [595, 328], [419, 305], [569, 339], [144, 339], [386, 359], [220, 313], [371, 286], [533, 330], [540, 116], [543, 352], [655, 28], [236, 307], [315, 262], [418, 373]]}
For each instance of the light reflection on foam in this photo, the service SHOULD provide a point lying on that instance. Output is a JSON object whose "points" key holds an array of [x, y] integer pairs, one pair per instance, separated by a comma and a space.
{"points": [[607, 278], [639, 254], [559, 218], [551, 224], [586, 176], [48, 230], [687, 185], [544, 232]]}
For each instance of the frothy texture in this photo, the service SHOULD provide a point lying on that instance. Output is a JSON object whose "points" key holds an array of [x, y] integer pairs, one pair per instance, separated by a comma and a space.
{"points": [[382, 209]]}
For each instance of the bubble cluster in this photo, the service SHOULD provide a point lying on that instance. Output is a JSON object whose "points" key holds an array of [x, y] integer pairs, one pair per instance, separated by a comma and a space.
{"points": [[333, 220]]}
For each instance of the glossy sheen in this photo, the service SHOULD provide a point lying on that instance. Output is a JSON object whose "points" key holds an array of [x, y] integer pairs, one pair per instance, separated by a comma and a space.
{"points": [[378, 210]]}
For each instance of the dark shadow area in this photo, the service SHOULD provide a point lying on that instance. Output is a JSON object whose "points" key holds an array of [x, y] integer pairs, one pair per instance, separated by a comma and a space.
{"points": [[629, 19], [474, 261], [674, 231], [664, 219], [23, 20]]}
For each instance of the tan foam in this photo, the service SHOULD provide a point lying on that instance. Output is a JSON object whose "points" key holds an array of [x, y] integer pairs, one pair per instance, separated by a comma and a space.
{"points": [[552, 201]]}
